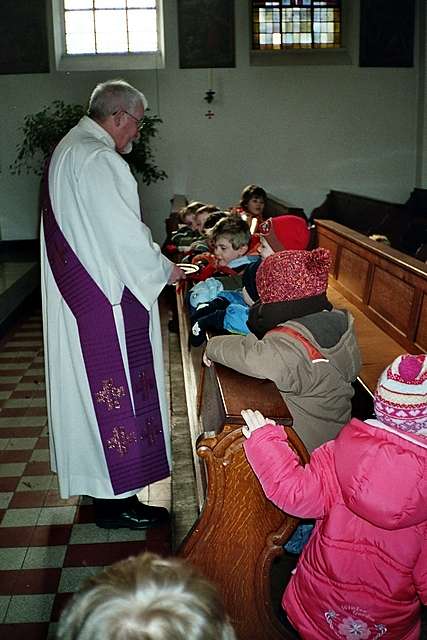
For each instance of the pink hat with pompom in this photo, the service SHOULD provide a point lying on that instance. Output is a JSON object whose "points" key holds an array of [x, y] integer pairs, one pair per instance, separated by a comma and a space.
{"points": [[400, 399], [292, 275]]}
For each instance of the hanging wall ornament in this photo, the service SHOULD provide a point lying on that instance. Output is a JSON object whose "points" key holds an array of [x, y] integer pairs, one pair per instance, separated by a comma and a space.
{"points": [[210, 94]]}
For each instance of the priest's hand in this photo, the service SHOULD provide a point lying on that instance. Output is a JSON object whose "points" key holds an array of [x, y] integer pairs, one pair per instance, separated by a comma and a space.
{"points": [[176, 275], [254, 420]]}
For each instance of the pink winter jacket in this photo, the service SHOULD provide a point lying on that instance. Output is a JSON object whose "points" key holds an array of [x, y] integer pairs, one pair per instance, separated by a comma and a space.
{"points": [[363, 572]]}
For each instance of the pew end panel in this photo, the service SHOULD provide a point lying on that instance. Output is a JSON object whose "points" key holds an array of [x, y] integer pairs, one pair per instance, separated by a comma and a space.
{"points": [[239, 532]]}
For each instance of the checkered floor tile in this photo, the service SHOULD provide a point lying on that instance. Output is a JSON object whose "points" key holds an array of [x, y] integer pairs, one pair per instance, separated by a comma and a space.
{"points": [[47, 545]]}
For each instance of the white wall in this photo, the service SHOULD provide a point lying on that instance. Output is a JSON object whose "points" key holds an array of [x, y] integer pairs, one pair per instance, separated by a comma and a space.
{"points": [[296, 130]]}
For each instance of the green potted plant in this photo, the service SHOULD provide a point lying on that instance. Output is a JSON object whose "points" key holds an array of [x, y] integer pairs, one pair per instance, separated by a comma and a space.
{"points": [[43, 130]]}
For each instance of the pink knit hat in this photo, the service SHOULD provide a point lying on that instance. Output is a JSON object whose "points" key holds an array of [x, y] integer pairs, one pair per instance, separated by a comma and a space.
{"points": [[285, 232], [292, 275], [400, 399]]}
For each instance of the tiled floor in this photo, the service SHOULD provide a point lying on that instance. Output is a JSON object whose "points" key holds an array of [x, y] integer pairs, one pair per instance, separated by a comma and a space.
{"points": [[47, 545]]}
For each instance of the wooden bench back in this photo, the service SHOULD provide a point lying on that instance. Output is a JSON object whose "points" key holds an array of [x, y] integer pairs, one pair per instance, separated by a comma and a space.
{"points": [[239, 532], [388, 286]]}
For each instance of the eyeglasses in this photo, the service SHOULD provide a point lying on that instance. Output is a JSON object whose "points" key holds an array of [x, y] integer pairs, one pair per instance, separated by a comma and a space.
{"points": [[139, 123]]}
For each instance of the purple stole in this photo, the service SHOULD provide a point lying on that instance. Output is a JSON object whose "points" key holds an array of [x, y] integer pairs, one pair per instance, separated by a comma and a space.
{"points": [[133, 440]]}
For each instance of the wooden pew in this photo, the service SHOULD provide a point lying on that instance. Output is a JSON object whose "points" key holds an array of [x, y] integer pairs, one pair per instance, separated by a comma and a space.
{"points": [[276, 207], [384, 287], [405, 225], [239, 532], [178, 202], [377, 347], [385, 290]]}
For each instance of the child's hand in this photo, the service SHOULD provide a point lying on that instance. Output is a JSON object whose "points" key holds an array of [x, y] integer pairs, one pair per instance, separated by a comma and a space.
{"points": [[206, 360], [254, 420], [176, 275]]}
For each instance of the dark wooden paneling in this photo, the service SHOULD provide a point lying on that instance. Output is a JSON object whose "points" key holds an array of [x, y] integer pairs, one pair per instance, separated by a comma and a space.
{"points": [[276, 207], [353, 272], [388, 286], [333, 248], [23, 37], [377, 347], [387, 33], [405, 225], [392, 299], [206, 34]]}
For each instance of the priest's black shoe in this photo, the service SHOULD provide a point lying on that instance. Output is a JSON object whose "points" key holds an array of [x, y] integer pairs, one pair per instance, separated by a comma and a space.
{"points": [[128, 513]]}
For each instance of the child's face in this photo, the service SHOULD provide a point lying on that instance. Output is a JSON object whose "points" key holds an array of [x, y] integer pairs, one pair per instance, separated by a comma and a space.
{"points": [[189, 219], [256, 206], [224, 251], [199, 221], [264, 249]]}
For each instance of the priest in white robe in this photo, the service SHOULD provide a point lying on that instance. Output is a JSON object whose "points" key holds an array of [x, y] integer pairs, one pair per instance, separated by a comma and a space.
{"points": [[101, 276]]}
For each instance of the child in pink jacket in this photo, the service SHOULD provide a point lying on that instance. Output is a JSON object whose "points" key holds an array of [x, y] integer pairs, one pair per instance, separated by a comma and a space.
{"points": [[363, 573]]}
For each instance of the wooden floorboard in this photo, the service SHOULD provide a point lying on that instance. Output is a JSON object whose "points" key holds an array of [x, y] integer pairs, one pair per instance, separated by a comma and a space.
{"points": [[378, 349]]}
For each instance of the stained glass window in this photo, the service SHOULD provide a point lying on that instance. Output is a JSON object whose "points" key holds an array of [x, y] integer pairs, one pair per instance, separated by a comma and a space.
{"points": [[110, 26], [296, 24]]}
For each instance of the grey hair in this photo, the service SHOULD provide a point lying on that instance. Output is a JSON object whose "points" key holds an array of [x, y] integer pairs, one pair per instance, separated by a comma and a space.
{"points": [[112, 96], [146, 598]]}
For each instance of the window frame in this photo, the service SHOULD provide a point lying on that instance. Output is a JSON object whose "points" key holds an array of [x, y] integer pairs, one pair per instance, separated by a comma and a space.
{"points": [[104, 61], [321, 56]]}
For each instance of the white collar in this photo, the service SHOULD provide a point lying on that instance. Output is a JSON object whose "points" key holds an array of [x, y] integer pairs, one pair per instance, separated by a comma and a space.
{"points": [[90, 125]]}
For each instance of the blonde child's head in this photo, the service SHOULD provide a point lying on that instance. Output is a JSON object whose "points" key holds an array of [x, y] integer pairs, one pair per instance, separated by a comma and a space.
{"points": [[230, 238], [148, 598]]}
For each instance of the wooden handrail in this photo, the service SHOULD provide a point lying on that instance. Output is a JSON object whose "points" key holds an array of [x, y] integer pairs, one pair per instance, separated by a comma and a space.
{"points": [[385, 290], [408, 263]]}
